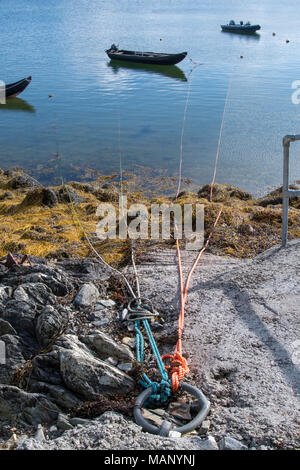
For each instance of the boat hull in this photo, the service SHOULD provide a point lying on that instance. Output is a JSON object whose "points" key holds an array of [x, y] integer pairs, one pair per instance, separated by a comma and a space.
{"points": [[14, 89], [147, 57], [241, 29]]}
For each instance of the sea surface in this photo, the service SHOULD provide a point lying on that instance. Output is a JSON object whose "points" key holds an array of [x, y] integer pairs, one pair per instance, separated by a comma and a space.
{"points": [[99, 113]]}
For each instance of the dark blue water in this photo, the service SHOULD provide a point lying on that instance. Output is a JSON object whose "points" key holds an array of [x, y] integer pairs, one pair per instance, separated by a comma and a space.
{"points": [[99, 109]]}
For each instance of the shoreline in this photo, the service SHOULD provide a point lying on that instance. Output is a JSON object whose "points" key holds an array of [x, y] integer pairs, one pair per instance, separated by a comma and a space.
{"points": [[39, 220]]}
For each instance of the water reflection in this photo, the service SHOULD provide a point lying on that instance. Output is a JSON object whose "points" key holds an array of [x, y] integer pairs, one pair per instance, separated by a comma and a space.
{"points": [[171, 71], [17, 104], [242, 36]]}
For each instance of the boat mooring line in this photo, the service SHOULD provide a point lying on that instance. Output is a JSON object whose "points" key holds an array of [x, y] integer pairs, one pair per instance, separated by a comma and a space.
{"points": [[219, 141]]}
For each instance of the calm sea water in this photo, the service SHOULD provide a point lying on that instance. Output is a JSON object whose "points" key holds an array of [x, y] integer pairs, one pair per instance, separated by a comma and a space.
{"points": [[99, 110]]}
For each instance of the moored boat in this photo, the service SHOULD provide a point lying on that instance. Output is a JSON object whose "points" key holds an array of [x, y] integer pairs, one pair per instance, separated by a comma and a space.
{"points": [[156, 58], [14, 89], [246, 28]]}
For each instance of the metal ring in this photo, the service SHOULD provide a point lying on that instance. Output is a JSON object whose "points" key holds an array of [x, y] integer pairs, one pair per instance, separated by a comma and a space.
{"points": [[204, 406]]}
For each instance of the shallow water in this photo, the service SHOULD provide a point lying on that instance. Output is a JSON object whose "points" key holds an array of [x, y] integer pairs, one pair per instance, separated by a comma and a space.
{"points": [[101, 111]]}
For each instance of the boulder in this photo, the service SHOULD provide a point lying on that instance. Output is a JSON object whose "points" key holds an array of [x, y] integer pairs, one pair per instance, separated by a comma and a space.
{"points": [[17, 406], [62, 397], [229, 443], [67, 194], [91, 377], [87, 296], [105, 346], [22, 180], [49, 324], [46, 368], [6, 328]]}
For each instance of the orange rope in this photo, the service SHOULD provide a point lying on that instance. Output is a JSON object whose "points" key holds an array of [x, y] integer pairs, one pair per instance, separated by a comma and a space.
{"points": [[178, 363]]}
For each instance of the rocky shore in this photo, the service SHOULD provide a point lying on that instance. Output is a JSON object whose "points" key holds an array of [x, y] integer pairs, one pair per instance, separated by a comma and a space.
{"points": [[54, 221], [70, 376]]}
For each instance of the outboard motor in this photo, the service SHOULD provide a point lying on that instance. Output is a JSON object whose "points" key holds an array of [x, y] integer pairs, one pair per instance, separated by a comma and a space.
{"points": [[113, 48]]}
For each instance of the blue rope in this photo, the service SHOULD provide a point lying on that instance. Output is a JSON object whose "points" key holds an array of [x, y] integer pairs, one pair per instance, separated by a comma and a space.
{"points": [[161, 391]]}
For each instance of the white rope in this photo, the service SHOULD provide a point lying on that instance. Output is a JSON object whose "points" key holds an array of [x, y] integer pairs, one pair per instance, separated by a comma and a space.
{"points": [[219, 143], [183, 126]]}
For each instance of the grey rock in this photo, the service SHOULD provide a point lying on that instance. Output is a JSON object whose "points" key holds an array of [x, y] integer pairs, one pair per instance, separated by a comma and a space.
{"points": [[111, 360], [16, 406], [35, 293], [5, 292], [6, 328], [229, 443], [23, 181], [67, 194], [49, 324], [39, 435], [125, 366], [180, 410], [205, 444], [61, 396], [111, 431], [49, 197], [46, 368], [87, 295], [90, 377], [14, 350], [129, 342], [107, 347], [63, 422], [205, 427]]}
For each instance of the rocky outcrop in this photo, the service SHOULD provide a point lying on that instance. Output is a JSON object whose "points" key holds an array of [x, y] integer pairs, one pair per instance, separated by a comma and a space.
{"points": [[53, 349], [91, 377]]}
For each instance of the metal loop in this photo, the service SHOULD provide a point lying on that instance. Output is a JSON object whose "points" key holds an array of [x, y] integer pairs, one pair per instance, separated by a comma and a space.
{"points": [[204, 406], [142, 311]]}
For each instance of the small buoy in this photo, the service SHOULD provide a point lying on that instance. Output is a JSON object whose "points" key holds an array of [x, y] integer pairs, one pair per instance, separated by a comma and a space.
{"points": [[160, 39], [50, 96], [274, 34], [287, 41], [241, 57]]}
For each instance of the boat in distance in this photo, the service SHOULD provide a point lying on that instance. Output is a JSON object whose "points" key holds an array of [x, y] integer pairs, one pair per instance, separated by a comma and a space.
{"points": [[246, 28], [156, 58], [14, 89]]}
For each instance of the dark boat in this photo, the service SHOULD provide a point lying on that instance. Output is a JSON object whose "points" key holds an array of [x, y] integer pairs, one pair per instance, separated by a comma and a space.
{"points": [[246, 28], [171, 71], [144, 57], [14, 89]]}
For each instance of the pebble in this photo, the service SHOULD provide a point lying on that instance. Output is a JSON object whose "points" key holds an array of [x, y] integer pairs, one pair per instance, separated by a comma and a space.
{"points": [[125, 366], [111, 360], [39, 435], [206, 444], [63, 422], [129, 342], [53, 429], [229, 443], [205, 426]]}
